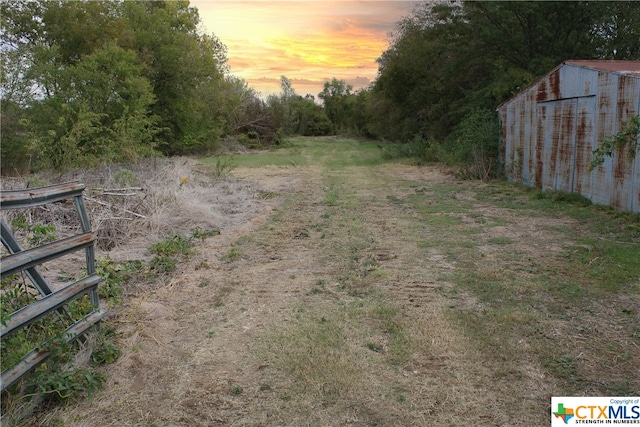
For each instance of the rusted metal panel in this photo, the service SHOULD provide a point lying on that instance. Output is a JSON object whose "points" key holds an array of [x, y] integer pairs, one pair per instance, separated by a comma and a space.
{"points": [[622, 176], [547, 155], [37, 355], [623, 67], [635, 207], [539, 144], [31, 197], [29, 314], [30, 258], [27, 260], [585, 144], [627, 90], [502, 151], [556, 140], [528, 149], [567, 147], [517, 154], [551, 128], [10, 242], [605, 125], [529, 145], [577, 82], [549, 87]]}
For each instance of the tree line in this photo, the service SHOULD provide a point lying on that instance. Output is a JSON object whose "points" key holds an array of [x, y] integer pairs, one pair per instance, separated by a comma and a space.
{"points": [[88, 82], [451, 63]]}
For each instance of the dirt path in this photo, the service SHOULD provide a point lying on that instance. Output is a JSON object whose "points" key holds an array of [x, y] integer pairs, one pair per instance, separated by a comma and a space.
{"points": [[320, 309]]}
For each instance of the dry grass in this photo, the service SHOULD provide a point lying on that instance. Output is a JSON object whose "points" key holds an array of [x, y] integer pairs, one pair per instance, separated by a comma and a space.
{"points": [[379, 295], [134, 206]]}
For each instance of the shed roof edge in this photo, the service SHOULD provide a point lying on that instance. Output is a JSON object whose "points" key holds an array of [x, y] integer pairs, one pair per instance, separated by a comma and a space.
{"points": [[569, 62]]}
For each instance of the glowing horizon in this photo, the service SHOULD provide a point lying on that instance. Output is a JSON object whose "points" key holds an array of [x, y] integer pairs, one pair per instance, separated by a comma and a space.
{"points": [[309, 42]]}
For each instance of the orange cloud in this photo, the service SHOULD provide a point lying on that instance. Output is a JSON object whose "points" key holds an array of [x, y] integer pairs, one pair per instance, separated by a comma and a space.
{"points": [[310, 42]]}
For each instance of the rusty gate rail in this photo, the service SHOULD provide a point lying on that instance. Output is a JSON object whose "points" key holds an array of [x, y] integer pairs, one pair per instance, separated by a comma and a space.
{"points": [[28, 260]]}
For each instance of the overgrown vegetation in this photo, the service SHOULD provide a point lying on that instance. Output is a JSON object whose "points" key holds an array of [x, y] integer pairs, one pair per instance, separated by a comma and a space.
{"points": [[168, 252], [628, 139], [115, 275], [521, 293], [472, 147], [72, 369], [449, 60], [88, 83], [65, 375], [374, 289]]}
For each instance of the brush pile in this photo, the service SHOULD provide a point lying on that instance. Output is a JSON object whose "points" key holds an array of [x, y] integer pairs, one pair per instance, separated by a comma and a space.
{"points": [[136, 205]]}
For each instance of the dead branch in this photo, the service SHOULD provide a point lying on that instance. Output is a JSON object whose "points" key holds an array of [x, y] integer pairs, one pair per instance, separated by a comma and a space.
{"points": [[91, 199]]}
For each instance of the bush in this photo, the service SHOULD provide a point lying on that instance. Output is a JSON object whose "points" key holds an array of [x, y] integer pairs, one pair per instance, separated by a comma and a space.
{"points": [[421, 149], [474, 146]]}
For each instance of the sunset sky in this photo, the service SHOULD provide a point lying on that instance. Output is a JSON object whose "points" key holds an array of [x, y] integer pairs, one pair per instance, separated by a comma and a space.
{"points": [[309, 42]]}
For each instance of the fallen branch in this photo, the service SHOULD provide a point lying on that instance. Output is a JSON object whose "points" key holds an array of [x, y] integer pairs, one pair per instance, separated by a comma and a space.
{"points": [[118, 194], [119, 189], [91, 199]]}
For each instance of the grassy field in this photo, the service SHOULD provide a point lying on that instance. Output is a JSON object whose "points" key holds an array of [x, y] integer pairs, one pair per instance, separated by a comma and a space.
{"points": [[382, 293], [550, 284]]}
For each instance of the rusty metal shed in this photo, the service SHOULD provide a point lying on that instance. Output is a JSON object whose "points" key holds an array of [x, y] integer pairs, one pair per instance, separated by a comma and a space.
{"points": [[550, 129]]}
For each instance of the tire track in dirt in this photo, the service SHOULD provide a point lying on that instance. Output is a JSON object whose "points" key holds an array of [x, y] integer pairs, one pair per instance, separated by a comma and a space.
{"points": [[185, 345], [188, 346], [456, 381]]}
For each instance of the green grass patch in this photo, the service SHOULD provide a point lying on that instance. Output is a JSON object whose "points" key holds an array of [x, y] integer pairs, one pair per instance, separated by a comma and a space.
{"points": [[611, 266], [114, 276], [324, 348], [544, 289], [389, 319], [173, 245], [344, 326], [555, 294], [557, 197], [313, 350], [331, 197], [233, 254], [170, 250], [501, 240], [333, 153]]}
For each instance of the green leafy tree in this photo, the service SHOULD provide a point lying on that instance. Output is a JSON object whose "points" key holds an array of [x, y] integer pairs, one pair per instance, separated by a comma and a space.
{"points": [[185, 70], [15, 150], [72, 94], [419, 80], [616, 31], [297, 115], [288, 91], [449, 59], [88, 81], [99, 112], [310, 118], [334, 96], [360, 117], [279, 107]]}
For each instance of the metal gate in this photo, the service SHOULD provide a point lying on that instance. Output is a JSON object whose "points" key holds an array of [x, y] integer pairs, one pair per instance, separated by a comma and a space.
{"points": [[27, 261]]}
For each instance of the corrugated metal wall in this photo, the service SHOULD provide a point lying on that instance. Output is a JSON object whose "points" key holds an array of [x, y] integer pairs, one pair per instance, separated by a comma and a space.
{"points": [[549, 132]]}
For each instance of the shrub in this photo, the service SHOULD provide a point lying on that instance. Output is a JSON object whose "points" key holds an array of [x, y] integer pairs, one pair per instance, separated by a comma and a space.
{"points": [[423, 150], [474, 145]]}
